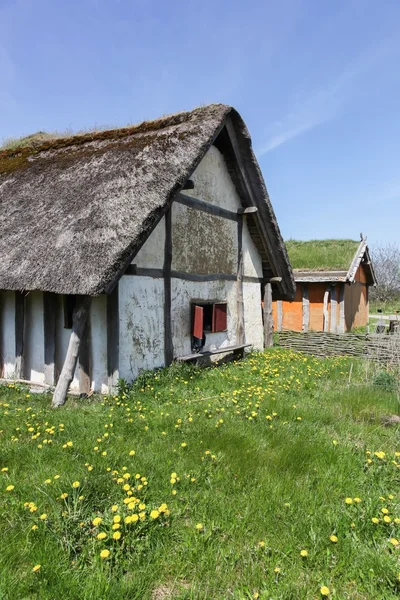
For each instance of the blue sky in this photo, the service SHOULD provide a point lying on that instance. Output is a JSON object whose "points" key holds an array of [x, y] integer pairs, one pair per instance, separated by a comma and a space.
{"points": [[316, 82]]}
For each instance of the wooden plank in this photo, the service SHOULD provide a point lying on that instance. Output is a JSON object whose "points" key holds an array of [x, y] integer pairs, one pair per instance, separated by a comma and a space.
{"points": [[19, 334], [326, 309], [85, 360], [168, 343], [333, 310], [81, 312], [305, 308], [49, 337], [279, 314], [159, 274], [2, 318], [240, 330], [206, 207], [268, 318], [144, 272], [113, 339], [342, 321], [223, 350]]}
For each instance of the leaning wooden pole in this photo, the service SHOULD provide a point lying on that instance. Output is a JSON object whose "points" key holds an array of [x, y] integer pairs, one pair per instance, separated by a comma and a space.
{"points": [[79, 318]]}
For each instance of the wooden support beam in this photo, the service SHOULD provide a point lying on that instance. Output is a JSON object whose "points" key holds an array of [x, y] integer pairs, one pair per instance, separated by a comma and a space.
{"points": [[207, 207], [240, 329], [80, 315], [333, 310], [168, 343], [305, 308], [85, 360], [19, 334], [342, 322], [2, 317], [326, 309], [268, 318], [247, 210], [113, 339], [49, 337], [279, 315]]}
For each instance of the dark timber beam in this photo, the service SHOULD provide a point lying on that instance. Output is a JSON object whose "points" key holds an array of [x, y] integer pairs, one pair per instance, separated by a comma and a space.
{"points": [[85, 360], [19, 334], [268, 319], [79, 317], [206, 207], [168, 343], [241, 335]]}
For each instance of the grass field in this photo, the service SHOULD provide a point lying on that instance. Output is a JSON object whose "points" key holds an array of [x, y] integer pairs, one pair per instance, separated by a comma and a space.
{"points": [[270, 478], [388, 308]]}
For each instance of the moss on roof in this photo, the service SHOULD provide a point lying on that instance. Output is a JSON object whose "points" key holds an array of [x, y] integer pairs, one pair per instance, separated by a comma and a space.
{"points": [[321, 255]]}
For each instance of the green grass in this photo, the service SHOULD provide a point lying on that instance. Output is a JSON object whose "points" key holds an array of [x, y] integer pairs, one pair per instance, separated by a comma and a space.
{"points": [[388, 308], [265, 452], [321, 254]]}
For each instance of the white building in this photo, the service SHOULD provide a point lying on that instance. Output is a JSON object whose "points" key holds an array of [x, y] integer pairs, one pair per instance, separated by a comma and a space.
{"points": [[134, 247]]}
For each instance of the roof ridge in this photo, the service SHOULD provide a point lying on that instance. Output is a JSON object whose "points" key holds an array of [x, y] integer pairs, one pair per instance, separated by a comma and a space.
{"points": [[117, 133]]}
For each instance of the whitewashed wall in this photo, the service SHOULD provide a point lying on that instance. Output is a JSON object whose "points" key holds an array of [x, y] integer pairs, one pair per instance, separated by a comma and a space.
{"points": [[7, 344]]}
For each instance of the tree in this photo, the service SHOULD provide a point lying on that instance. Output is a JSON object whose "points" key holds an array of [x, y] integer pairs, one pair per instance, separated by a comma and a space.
{"points": [[386, 263]]}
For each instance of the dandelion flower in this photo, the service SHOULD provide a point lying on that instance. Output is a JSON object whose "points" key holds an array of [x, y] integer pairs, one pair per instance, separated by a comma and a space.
{"points": [[64, 496], [333, 539], [199, 526], [43, 517], [101, 535], [97, 521], [132, 453], [384, 511], [154, 514], [34, 527], [10, 488], [117, 535], [394, 542], [104, 554], [324, 591], [375, 520], [357, 500], [36, 568], [117, 519], [277, 570], [76, 484], [114, 508], [387, 519], [303, 553], [349, 500]]}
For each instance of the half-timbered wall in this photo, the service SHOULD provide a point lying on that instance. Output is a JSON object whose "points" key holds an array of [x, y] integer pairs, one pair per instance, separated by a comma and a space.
{"points": [[201, 253]]}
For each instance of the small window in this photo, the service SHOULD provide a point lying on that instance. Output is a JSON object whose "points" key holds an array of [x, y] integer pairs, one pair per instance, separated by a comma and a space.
{"points": [[69, 305], [207, 318]]}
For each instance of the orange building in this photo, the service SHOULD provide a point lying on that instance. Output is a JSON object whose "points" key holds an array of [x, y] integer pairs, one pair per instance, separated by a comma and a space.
{"points": [[332, 280]]}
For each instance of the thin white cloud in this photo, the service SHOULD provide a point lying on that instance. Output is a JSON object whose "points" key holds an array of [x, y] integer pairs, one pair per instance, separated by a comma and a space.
{"points": [[321, 103]]}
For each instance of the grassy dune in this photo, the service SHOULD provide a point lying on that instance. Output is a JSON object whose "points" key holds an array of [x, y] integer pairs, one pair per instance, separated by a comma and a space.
{"points": [[214, 483]]}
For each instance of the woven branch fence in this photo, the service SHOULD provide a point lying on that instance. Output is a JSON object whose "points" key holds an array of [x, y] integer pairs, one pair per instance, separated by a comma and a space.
{"points": [[379, 347]]}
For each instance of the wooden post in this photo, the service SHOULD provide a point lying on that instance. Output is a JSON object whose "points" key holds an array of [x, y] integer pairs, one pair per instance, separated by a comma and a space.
{"points": [[19, 334], [2, 362], [85, 360], [79, 317], [342, 322], [279, 314], [168, 343], [326, 309], [49, 337], [333, 310], [240, 332], [113, 338], [268, 319], [306, 307]]}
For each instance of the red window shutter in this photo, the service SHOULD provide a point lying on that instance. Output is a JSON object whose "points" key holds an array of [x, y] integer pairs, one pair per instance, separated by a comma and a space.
{"points": [[219, 317], [198, 322]]}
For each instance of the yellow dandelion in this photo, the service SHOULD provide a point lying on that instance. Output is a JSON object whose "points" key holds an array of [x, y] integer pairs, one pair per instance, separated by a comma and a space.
{"points": [[349, 500], [132, 453], [199, 526], [10, 488], [104, 554], [114, 508], [387, 519], [333, 539], [76, 484], [34, 527], [97, 521], [117, 535], [303, 553], [43, 517], [117, 519], [375, 520], [101, 535], [36, 568], [394, 542], [64, 496], [154, 514], [325, 591]]}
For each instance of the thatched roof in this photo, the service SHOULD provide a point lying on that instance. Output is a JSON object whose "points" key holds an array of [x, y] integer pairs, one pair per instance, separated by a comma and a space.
{"points": [[76, 210], [329, 260]]}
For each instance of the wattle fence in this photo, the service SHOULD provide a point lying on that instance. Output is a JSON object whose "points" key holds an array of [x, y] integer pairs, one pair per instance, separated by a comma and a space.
{"points": [[379, 347]]}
